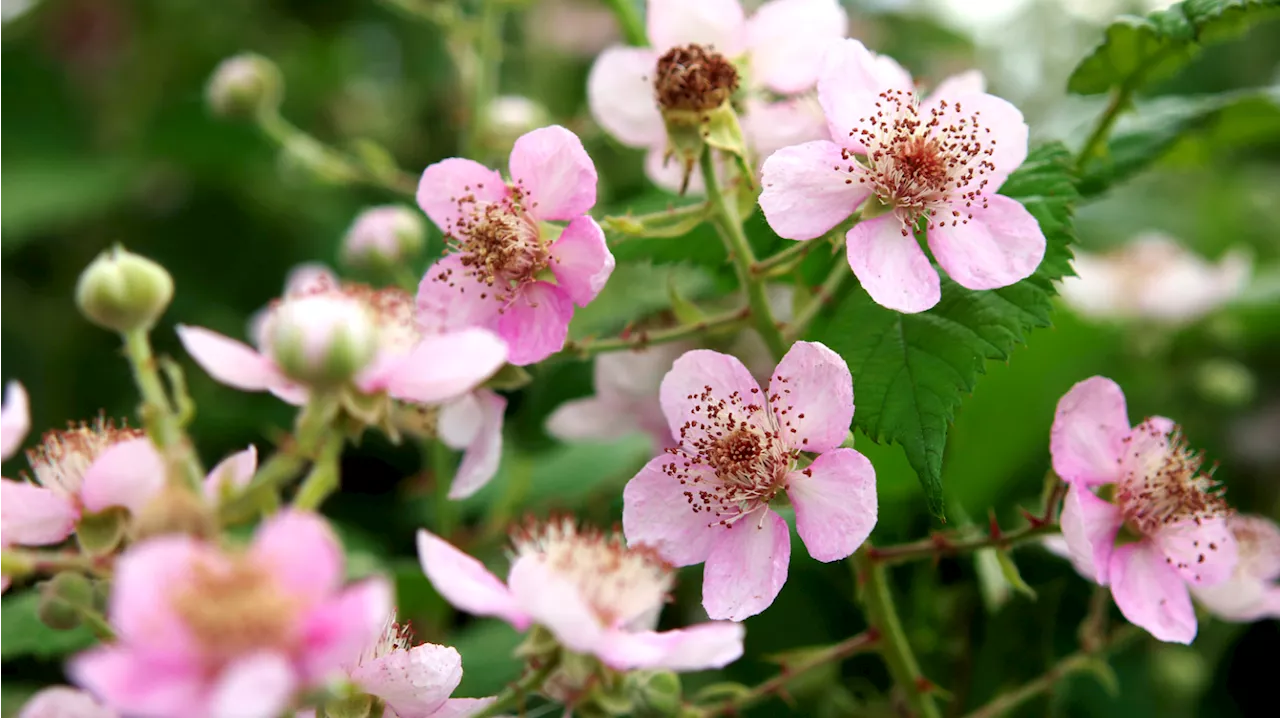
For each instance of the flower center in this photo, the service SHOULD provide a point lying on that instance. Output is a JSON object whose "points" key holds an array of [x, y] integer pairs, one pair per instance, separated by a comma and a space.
{"points": [[235, 608], [500, 245], [694, 78], [63, 457], [394, 637], [1162, 484]]}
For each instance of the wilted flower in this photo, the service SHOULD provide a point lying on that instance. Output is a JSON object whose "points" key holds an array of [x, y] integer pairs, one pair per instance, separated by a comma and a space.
{"points": [[384, 236], [207, 632], [740, 447], [15, 419], [1251, 593], [64, 702], [1160, 495], [500, 250]]}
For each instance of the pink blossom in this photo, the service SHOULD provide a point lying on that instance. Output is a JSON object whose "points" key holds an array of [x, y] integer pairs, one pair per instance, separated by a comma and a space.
{"points": [[901, 160], [207, 632], [388, 234], [500, 249], [231, 475], [1251, 593], [779, 49], [708, 499], [1159, 494], [593, 593], [64, 702], [15, 419]]}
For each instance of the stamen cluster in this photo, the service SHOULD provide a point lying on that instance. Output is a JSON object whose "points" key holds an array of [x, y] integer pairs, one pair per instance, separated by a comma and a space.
{"points": [[233, 608], [63, 457], [694, 78], [1166, 487], [499, 244]]}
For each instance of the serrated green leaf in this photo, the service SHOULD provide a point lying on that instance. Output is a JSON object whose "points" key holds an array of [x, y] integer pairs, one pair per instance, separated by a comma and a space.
{"points": [[23, 634], [910, 371], [1138, 50]]}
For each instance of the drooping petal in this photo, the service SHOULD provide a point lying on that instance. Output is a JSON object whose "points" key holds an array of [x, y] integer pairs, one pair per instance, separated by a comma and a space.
{"points": [[255, 686], [302, 551], [449, 298], [64, 702], [128, 474], [747, 567], [554, 174], [230, 362], [1203, 551], [656, 513], [232, 473], [459, 708], [413, 683], [814, 391], [850, 84], [694, 374], [33, 515], [999, 126], [132, 686], [718, 24], [482, 413], [1089, 428], [338, 629], [536, 323], [835, 500], [1000, 244], [450, 189], [1151, 594], [581, 261], [620, 93], [465, 582], [1089, 527], [968, 82], [809, 189], [441, 367], [788, 40], [698, 648], [771, 125], [141, 614], [891, 266], [556, 603], [15, 419]]}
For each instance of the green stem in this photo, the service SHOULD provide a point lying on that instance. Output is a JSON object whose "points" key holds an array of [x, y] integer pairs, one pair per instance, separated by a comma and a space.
{"points": [[158, 414], [442, 467], [484, 87], [826, 292], [331, 163], [877, 599], [324, 478], [629, 20], [515, 693], [796, 252], [1119, 100], [729, 225], [940, 545], [265, 486], [17, 563], [644, 338], [96, 623]]}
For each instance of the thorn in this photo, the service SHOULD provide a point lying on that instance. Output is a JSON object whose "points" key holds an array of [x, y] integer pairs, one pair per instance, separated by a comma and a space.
{"points": [[996, 534]]}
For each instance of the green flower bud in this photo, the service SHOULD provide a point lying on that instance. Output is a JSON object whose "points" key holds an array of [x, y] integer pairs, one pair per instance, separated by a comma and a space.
{"points": [[123, 291], [322, 341], [244, 86], [63, 598]]}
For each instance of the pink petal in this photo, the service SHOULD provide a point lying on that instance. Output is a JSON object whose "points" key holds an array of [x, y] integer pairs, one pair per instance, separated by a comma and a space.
{"points": [[459, 708], [771, 126], [620, 93], [718, 24], [448, 298], [555, 602], [231, 474], [230, 362], [788, 40], [850, 84], [441, 367], [1241, 598], [1089, 430], [998, 121], [466, 583], [581, 261], [593, 417], [554, 173], [690, 376], [835, 501], [302, 552], [809, 189], [968, 82], [1089, 526], [64, 702], [1150, 593], [133, 686], [536, 323], [412, 683], [255, 686], [815, 397], [450, 189], [747, 567], [15, 419], [656, 513], [709, 645], [891, 266], [33, 515], [139, 607], [483, 447], [1001, 244], [128, 474], [337, 630], [1204, 551]]}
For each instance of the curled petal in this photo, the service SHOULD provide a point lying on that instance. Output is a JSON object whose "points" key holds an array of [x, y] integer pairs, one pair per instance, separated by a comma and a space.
{"points": [[747, 567], [128, 474], [808, 189], [1089, 527], [15, 419], [1089, 430], [466, 583], [474, 424], [415, 682], [620, 93], [581, 261], [232, 473], [554, 174], [891, 266], [997, 245], [835, 500], [33, 515], [233, 363]]}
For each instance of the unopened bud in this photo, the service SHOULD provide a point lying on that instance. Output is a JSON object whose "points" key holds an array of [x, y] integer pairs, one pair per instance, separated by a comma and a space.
{"points": [[123, 291], [244, 86], [654, 694], [510, 116], [175, 510], [383, 237], [322, 341], [63, 599]]}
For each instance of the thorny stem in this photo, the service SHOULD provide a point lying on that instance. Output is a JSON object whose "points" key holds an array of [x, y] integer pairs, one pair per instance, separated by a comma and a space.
{"points": [[729, 225], [826, 292], [629, 21], [796, 252], [877, 599], [668, 223], [939, 545], [330, 163], [515, 693], [640, 339], [158, 414]]}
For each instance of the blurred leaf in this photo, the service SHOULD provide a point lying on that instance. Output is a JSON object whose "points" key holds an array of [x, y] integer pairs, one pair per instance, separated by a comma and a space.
{"points": [[1138, 50], [1105, 674], [50, 192], [911, 370], [1010, 571], [22, 633], [487, 661]]}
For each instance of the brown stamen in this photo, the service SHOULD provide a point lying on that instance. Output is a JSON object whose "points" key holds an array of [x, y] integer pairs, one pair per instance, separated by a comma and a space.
{"points": [[694, 78]]}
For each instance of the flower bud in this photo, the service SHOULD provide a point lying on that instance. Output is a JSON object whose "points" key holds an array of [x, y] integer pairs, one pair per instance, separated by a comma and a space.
{"points": [[123, 291], [654, 694], [63, 598], [244, 86], [322, 341], [384, 237]]}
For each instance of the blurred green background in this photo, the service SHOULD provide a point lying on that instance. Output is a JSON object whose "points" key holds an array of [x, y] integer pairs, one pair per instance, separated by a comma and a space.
{"points": [[109, 140]]}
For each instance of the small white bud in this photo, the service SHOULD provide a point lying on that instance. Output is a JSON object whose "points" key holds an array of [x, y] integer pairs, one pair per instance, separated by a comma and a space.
{"points": [[322, 341], [384, 237], [243, 86]]}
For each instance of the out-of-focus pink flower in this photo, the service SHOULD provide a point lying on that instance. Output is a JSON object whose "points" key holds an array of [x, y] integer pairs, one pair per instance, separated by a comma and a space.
{"points": [[901, 159], [1251, 593], [64, 702], [15, 419], [384, 236], [580, 28], [500, 250], [473, 425], [592, 592], [1159, 494], [779, 50], [232, 474], [1153, 278], [739, 447], [205, 632]]}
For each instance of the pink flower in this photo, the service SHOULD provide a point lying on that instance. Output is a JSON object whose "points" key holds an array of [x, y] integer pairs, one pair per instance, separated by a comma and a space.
{"points": [[500, 249], [64, 702], [1159, 494], [902, 160], [1251, 592], [709, 498], [594, 594], [384, 235], [779, 49], [206, 632], [231, 475], [15, 419]]}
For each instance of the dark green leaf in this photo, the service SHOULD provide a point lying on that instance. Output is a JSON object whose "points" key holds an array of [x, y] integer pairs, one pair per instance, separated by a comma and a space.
{"points": [[24, 635]]}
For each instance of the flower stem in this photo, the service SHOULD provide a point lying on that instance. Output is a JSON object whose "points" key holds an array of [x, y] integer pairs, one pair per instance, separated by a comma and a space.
{"points": [[939, 545], [821, 298], [324, 478], [312, 434], [515, 693], [796, 252], [629, 20], [729, 225], [1119, 100], [442, 466], [159, 416], [331, 164], [643, 338], [17, 563], [877, 599]]}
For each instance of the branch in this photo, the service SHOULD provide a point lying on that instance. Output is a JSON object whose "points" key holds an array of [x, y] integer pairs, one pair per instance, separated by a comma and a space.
{"points": [[940, 545], [629, 21], [641, 339], [516, 692]]}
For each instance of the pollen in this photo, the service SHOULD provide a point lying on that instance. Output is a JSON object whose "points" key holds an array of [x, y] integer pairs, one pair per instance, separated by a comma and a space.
{"points": [[1163, 483], [499, 244], [62, 458]]}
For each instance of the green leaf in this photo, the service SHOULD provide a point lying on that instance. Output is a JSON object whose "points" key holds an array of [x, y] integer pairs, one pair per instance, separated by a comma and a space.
{"points": [[22, 633], [1012, 575], [1138, 50], [910, 371]]}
